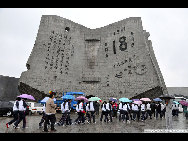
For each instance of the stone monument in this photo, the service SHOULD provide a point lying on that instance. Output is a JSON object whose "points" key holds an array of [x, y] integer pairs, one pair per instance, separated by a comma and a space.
{"points": [[116, 60]]}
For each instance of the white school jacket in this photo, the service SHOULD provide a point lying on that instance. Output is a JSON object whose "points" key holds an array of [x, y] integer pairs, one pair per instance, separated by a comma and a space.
{"points": [[135, 107], [120, 106], [143, 107], [148, 107], [103, 108], [125, 107], [80, 107], [66, 108], [21, 107], [108, 106], [91, 106], [15, 107]]}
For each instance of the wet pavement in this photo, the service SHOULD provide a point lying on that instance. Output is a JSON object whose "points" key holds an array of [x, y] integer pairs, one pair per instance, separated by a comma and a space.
{"points": [[178, 123]]}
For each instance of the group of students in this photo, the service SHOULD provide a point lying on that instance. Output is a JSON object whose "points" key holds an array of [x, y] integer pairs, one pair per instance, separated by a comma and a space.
{"points": [[109, 110], [87, 111], [19, 113]]}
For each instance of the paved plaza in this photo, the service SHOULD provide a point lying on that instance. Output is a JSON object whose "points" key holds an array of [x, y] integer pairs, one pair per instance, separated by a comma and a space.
{"points": [[178, 123]]}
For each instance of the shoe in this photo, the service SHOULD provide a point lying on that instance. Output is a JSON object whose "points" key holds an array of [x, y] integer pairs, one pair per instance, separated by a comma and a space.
{"points": [[94, 122], [53, 130], [24, 127], [7, 125], [128, 121], [15, 127], [45, 130]]}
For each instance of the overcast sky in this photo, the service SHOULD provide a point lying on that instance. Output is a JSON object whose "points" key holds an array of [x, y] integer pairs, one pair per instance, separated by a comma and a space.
{"points": [[167, 27]]}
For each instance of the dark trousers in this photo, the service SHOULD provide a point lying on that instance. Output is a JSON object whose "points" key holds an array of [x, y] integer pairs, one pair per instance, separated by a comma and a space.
{"points": [[136, 114], [42, 119], [92, 116], [109, 113], [143, 115], [21, 117], [105, 116], [157, 113], [148, 112], [114, 113], [120, 115], [125, 116], [162, 114], [15, 116], [80, 117], [52, 120]]}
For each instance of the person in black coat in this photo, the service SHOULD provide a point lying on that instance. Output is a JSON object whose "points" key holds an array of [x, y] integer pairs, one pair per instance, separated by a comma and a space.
{"points": [[158, 109]]}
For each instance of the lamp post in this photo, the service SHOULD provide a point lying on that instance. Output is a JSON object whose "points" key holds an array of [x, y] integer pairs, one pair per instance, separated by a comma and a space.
{"points": [[168, 102]]}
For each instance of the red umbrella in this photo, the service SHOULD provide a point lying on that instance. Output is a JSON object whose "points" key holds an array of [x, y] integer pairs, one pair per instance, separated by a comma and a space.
{"points": [[81, 98]]}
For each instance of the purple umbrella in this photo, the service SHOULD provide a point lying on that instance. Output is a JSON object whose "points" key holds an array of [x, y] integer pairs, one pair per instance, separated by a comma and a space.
{"points": [[26, 96], [136, 99], [185, 103]]}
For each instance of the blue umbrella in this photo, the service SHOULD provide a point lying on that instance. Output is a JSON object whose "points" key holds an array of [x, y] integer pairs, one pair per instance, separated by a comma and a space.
{"points": [[113, 99], [123, 99], [46, 98], [157, 99], [68, 97]]}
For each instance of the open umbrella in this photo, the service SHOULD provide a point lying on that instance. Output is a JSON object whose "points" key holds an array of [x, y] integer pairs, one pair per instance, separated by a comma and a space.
{"points": [[123, 99], [185, 103], [175, 102], [26, 96], [113, 99], [68, 97], [137, 102], [81, 98], [136, 99], [145, 99], [94, 99], [45, 99], [157, 99]]}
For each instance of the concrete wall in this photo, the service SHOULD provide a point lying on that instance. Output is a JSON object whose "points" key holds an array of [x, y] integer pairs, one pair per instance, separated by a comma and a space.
{"points": [[115, 60]]}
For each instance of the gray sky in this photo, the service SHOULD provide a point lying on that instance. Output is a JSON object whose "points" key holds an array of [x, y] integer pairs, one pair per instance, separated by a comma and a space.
{"points": [[167, 27]]}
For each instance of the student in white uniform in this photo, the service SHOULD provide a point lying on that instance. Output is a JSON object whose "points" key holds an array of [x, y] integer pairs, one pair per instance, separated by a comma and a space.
{"points": [[125, 112], [143, 111], [22, 109], [91, 108], [163, 110], [43, 117], [15, 111], [109, 110], [120, 110], [148, 110], [103, 108], [136, 111], [63, 109]]}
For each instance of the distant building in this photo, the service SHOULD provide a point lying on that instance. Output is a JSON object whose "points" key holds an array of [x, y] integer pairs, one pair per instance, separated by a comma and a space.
{"points": [[116, 60]]}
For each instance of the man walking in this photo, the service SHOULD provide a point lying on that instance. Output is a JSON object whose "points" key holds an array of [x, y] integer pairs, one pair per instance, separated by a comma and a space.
{"points": [[50, 113]]}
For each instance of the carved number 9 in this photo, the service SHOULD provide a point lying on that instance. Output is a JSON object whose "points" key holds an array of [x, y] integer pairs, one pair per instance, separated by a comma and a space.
{"points": [[123, 44]]}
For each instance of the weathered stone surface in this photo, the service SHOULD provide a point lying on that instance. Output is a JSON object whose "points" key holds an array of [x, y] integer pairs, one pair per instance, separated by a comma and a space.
{"points": [[115, 60], [8, 88]]}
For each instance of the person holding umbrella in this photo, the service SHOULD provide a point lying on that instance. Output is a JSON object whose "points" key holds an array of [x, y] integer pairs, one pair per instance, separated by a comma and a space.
{"points": [[15, 112], [136, 111], [22, 114], [91, 108], [103, 107]]}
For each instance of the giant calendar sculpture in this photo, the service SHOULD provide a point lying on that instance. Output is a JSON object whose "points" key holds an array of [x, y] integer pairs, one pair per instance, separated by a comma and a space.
{"points": [[116, 60]]}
